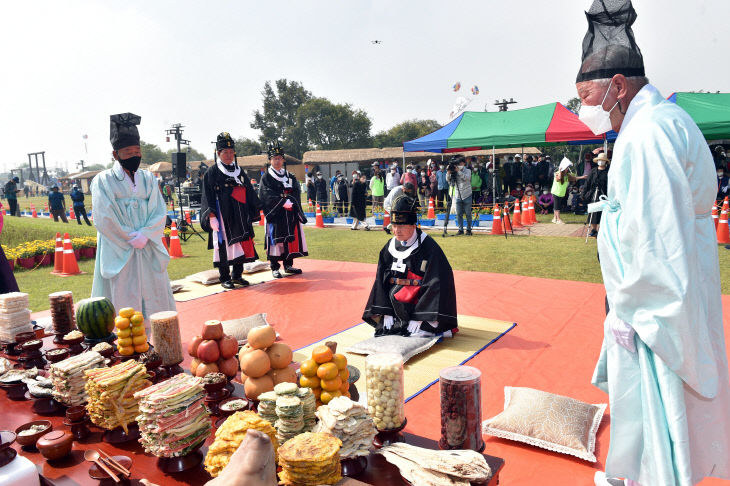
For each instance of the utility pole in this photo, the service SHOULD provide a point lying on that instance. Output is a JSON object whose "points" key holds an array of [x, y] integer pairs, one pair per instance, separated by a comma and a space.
{"points": [[177, 131], [503, 104]]}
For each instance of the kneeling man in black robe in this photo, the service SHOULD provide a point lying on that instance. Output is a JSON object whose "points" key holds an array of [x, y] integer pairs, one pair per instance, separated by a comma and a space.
{"points": [[413, 293]]}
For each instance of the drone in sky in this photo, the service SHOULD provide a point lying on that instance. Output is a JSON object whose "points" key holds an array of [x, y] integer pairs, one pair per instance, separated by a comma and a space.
{"points": [[376, 42]]}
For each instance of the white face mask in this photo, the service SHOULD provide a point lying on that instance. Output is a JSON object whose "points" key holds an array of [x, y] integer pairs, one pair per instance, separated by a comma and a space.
{"points": [[720, 174], [601, 163], [595, 117], [319, 177]]}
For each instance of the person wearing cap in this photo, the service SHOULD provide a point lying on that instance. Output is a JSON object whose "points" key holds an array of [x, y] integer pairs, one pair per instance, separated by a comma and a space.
{"points": [[594, 188], [663, 361], [377, 187], [77, 196], [320, 190], [460, 182], [511, 173], [57, 204], [280, 196], [130, 215], [413, 293], [11, 192], [561, 180], [407, 189], [392, 179], [229, 208], [722, 185]]}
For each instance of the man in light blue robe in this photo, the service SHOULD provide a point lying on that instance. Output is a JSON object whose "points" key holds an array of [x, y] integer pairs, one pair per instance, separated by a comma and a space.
{"points": [[663, 361], [129, 215]]}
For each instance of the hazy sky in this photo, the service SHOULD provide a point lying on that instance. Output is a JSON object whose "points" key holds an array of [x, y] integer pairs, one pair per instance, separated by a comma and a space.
{"points": [[67, 65]]}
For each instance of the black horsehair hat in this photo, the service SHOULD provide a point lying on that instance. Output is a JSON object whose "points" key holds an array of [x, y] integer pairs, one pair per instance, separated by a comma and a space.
{"points": [[609, 47], [123, 130], [404, 210], [225, 141], [275, 149]]}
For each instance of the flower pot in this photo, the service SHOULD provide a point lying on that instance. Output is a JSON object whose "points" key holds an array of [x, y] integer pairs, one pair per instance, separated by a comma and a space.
{"points": [[27, 262], [349, 220], [87, 252], [441, 217], [310, 215], [12, 265], [328, 220], [378, 222], [77, 253], [43, 260], [428, 222], [485, 217]]}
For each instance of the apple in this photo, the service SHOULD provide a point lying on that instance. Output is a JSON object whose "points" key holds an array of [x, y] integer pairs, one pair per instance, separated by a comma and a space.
{"points": [[212, 330], [208, 351], [228, 346], [193, 346]]}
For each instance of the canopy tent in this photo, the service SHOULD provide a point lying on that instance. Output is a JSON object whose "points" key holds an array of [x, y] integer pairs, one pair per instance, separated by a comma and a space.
{"points": [[546, 124], [710, 111]]}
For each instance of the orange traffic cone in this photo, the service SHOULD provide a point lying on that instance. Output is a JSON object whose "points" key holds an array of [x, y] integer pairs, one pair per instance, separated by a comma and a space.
{"points": [[715, 216], [726, 204], [517, 216], [531, 209], [35, 213], [525, 214], [386, 219], [45, 208], [164, 243], [175, 248], [58, 256], [723, 235], [262, 218], [71, 214], [319, 222], [310, 204], [70, 265], [497, 221], [505, 218], [187, 217], [431, 212]]}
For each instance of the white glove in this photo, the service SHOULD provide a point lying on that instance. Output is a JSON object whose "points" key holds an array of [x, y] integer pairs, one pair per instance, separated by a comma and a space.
{"points": [[288, 204], [622, 332], [213, 223], [138, 240]]}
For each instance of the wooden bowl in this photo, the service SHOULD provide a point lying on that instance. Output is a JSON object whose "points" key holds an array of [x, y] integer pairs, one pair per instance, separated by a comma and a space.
{"points": [[30, 440], [74, 414], [57, 355], [226, 413], [22, 337], [55, 445]]}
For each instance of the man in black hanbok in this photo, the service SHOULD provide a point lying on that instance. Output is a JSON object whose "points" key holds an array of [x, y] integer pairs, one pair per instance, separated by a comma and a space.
{"points": [[229, 208], [413, 293], [280, 196]]}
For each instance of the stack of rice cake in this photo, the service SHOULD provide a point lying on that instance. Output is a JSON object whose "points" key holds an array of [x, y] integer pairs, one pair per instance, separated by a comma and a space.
{"points": [[230, 435], [290, 409], [309, 407], [14, 315], [267, 407], [349, 422], [111, 394], [291, 417], [310, 459], [69, 380]]}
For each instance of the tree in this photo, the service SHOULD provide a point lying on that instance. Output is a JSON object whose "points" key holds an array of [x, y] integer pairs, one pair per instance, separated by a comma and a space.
{"points": [[573, 104], [403, 132], [330, 126], [95, 167], [151, 153], [278, 118], [246, 146]]}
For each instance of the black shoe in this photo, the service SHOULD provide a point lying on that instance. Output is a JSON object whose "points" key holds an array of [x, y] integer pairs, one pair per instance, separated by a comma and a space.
{"points": [[240, 281], [387, 230], [460, 232], [367, 228], [468, 232], [295, 271], [353, 229], [228, 284], [727, 247], [277, 274], [593, 233]]}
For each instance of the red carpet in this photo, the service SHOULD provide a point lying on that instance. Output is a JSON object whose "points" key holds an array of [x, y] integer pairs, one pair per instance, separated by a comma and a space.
{"points": [[553, 348]]}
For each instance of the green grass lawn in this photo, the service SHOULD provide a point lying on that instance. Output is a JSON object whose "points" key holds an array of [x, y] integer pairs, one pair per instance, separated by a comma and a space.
{"points": [[549, 257]]}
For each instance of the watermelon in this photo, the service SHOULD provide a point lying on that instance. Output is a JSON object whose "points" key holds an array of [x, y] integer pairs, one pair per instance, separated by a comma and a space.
{"points": [[95, 317]]}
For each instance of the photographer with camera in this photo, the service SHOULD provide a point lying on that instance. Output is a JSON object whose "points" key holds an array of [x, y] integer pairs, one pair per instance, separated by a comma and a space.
{"points": [[459, 179]]}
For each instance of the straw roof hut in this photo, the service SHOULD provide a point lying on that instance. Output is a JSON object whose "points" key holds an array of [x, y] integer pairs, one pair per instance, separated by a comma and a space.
{"points": [[395, 153]]}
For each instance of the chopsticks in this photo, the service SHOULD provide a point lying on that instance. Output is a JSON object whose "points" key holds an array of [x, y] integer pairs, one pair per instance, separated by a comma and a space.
{"points": [[112, 462]]}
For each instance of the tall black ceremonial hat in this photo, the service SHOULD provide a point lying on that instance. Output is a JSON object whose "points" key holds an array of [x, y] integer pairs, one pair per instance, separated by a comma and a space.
{"points": [[609, 47], [275, 149], [404, 210], [224, 141], [123, 130]]}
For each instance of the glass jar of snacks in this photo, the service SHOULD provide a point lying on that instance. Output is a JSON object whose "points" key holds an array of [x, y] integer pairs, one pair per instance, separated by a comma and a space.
{"points": [[386, 398], [461, 410]]}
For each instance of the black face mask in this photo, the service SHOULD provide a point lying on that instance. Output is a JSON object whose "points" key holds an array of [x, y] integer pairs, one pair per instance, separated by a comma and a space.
{"points": [[131, 164]]}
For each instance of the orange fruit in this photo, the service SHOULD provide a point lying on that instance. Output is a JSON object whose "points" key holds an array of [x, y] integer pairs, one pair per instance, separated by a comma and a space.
{"points": [[326, 396], [137, 319], [345, 387], [344, 374], [340, 361], [309, 367], [121, 322], [141, 348], [125, 350], [137, 330], [322, 354], [125, 342], [126, 312], [139, 340], [332, 385], [317, 392], [327, 371], [124, 333], [309, 382]]}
